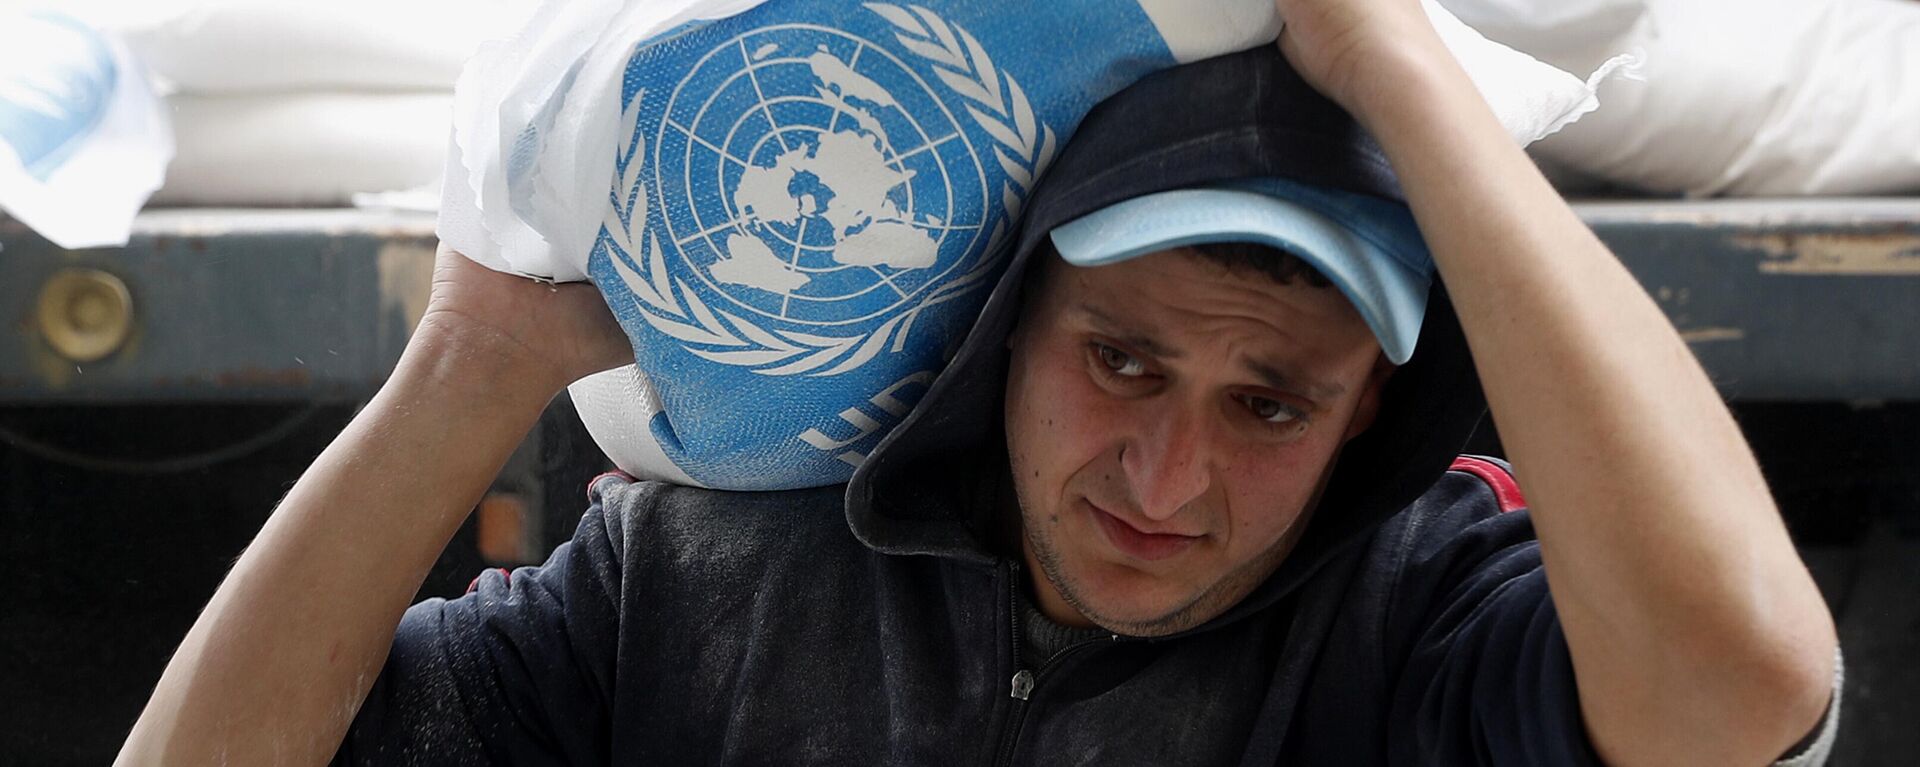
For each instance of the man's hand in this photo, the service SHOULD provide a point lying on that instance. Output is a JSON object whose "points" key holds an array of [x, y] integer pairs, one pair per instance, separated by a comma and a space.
{"points": [[555, 333], [277, 665], [1696, 633], [1360, 52]]}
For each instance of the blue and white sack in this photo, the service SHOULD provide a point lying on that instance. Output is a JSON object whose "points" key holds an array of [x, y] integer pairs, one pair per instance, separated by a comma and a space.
{"points": [[84, 140], [796, 207]]}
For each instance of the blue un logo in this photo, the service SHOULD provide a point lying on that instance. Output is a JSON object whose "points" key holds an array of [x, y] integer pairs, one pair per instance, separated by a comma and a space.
{"points": [[809, 204], [793, 197], [813, 178]]}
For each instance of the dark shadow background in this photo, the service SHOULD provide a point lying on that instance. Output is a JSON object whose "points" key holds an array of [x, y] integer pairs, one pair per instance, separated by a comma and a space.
{"points": [[112, 539]]}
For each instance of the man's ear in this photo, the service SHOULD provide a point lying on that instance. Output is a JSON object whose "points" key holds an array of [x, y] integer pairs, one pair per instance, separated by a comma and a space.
{"points": [[1369, 407]]}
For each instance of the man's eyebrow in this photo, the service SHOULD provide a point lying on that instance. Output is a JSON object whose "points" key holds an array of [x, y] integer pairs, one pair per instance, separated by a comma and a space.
{"points": [[1272, 376], [1124, 334], [1278, 378]]}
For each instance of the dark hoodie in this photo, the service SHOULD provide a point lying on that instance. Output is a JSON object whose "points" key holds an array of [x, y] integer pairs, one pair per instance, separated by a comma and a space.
{"points": [[879, 622]]}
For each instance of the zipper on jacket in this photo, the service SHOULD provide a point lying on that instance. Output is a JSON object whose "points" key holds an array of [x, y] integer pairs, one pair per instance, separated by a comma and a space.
{"points": [[1022, 685]]}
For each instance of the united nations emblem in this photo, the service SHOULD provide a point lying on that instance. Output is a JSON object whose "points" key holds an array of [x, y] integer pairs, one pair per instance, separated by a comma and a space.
{"points": [[801, 195]]}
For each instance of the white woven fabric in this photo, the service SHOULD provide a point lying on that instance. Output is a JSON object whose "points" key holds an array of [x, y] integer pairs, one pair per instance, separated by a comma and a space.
{"points": [[1737, 97], [306, 149], [84, 140]]}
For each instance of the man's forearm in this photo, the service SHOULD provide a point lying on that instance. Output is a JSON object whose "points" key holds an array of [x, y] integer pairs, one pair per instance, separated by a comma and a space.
{"points": [[277, 665], [1696, 632]]}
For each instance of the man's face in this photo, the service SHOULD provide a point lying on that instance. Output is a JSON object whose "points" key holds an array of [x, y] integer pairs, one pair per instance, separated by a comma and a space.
{"points": [[1169, 424]]}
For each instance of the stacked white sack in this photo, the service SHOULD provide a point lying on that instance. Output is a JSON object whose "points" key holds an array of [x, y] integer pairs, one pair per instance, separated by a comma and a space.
{"points": [[1740, 97], [732, 395], [289, 103], [303, 149], [83, 138]]}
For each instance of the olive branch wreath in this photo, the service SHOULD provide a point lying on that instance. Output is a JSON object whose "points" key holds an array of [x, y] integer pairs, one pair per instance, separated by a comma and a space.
{"points": [[1024, 148]]}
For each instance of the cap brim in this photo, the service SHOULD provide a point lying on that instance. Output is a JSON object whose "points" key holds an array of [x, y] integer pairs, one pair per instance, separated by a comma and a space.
{"points": [[1390, 297]]}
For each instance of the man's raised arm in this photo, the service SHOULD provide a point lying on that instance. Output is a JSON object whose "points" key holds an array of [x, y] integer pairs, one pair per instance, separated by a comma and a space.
{"points": [[1697, 635], [277, 665]]}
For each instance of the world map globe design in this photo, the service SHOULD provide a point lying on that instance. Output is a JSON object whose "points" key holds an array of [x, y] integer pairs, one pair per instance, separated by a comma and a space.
{"points": [[812, 177]]}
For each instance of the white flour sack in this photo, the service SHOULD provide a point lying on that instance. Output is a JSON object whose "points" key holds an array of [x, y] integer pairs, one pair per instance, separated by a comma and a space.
{"points": [[1739, 97], [796, 207], [84, 140]]}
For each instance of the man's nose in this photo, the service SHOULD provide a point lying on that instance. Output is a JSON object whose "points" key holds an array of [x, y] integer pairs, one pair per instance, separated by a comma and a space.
{"points": [[1166, 463]]}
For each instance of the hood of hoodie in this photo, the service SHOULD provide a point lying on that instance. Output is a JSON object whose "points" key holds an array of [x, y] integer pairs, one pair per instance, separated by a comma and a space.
{"points": [[935, 485]]}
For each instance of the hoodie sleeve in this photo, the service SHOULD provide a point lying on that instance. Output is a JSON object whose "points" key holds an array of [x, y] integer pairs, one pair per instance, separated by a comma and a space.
{"points": [[517, 671], [1487, 678]]}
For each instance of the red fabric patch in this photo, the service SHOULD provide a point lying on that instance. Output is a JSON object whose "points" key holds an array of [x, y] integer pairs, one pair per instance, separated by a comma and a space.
{"points": [[505, 575], [1505, 490], [596, 480]]}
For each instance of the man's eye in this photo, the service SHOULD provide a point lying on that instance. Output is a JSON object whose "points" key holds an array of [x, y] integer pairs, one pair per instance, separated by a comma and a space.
{"points": [[1118, 362], [1271, 411]]}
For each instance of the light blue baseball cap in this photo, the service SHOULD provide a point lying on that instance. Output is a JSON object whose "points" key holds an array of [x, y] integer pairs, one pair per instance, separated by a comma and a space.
{"points": [[1368, 247]]}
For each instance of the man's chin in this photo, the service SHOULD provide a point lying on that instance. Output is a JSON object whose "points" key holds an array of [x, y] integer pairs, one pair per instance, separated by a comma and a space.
{"points": [[1124, 605], [1158, 624]]}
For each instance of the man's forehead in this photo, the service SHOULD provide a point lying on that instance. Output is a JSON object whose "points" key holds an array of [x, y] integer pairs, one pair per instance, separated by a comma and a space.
{"points": [[1212, 277]]}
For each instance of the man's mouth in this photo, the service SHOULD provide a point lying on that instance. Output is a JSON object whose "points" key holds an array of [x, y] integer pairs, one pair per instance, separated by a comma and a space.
{"points": [[1139, 544]]}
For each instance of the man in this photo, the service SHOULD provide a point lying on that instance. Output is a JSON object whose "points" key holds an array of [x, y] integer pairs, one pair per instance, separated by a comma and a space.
{"points": [[1175, 501]]}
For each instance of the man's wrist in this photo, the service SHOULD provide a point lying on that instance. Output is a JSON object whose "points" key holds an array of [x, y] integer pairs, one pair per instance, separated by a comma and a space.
{"points": [[1407, 89], [478, 366]]}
